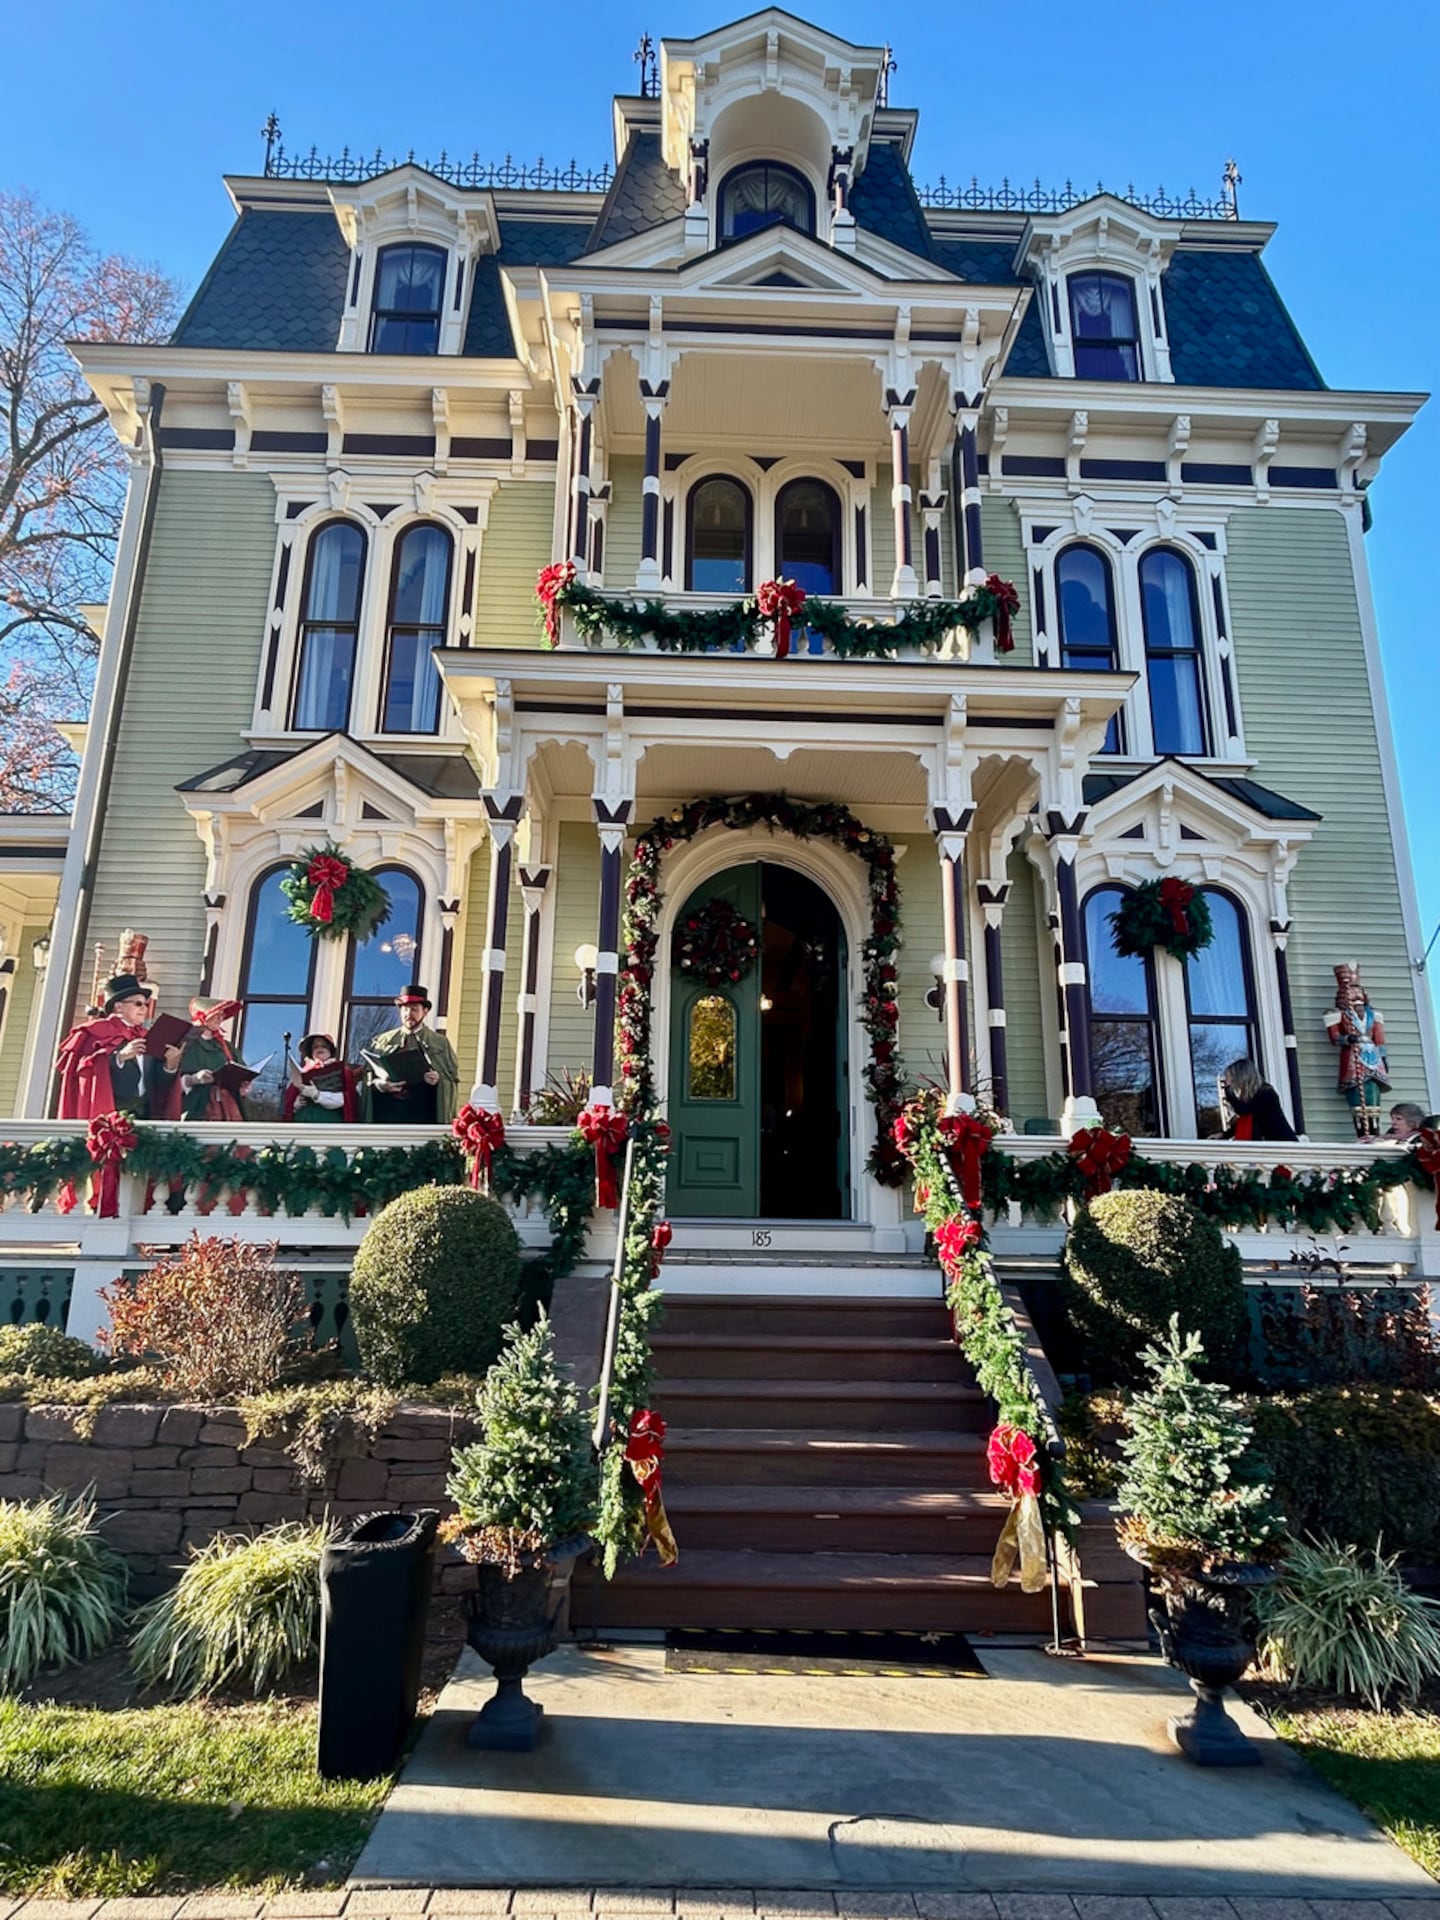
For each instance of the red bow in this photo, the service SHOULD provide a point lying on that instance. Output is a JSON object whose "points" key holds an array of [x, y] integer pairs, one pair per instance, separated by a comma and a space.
{"points": [[1011, 1454], [1175, 898], [326, 875], [1099, 1154], [955, 1239], [605, 1130], [660, 1238], [548, 588], [644, 1451], [1007, 605], [110, 1138], [780, 601], [966, 1137], [480, 1133], [1427, 1155]]}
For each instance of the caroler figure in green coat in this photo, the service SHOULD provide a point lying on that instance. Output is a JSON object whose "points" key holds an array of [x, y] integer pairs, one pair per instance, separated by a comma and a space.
{"points": [[427, 1095]]}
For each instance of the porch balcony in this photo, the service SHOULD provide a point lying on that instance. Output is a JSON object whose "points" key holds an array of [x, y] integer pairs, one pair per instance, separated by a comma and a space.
{"points": [[955, 646]]}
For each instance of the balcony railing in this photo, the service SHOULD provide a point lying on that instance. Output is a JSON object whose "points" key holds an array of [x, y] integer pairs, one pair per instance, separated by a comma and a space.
{"points": [[955, 645]]}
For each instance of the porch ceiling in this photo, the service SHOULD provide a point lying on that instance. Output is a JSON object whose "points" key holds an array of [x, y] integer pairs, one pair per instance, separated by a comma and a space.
{"points": [[857, 777]]}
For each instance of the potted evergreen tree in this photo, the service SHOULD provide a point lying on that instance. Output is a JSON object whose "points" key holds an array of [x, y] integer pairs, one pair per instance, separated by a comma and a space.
{"points": [[525, 1493], [1201, 1520]]}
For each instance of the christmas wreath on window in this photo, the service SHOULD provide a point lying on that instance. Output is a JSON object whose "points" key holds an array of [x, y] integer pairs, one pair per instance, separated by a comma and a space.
{"points": [[332, 897], [1165, 913], [716, 944]]}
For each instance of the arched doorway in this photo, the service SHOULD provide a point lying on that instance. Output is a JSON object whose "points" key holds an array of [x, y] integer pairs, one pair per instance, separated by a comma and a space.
{"points": [[758, 1068]]}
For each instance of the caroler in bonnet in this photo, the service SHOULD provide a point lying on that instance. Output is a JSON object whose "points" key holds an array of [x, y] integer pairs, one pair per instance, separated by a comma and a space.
{"points": [[1358, 1030]]}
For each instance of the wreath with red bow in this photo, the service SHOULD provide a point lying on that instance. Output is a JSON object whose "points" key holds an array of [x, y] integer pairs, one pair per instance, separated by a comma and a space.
{"points": [[716, 944], [1167, 913], [331, 897]]}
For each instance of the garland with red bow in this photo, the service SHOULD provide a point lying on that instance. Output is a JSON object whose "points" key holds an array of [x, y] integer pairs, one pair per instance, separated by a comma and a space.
{"points": [[644, 1453], [661, 1234], [1427, 1156], [716, 944], [110, 1138], [780, 602], [1005, 606], [820, 820], [605, 1129], [550, 586], [1099, 1155], [481, 1133], [1014, 1463], [1167, 913], [332, 897], [967, 1138]]}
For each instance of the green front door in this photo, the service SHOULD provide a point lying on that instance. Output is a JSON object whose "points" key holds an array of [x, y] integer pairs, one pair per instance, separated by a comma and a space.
{"points": [[715, 1074]]}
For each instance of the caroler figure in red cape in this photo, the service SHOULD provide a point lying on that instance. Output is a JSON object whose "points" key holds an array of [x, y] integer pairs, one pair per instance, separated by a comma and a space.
{"points": [[327, 1094], [205, 1050], [102, 1063]]}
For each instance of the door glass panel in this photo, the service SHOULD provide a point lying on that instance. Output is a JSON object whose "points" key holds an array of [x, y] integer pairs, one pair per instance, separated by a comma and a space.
{"points": [[1123, 1061], [1222, 1019], [710, 1055]]}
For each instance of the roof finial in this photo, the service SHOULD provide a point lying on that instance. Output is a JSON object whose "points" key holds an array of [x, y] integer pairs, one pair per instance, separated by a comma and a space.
{"points": [[888, 64], [1229, 189], [649, 68], [270, 134]]}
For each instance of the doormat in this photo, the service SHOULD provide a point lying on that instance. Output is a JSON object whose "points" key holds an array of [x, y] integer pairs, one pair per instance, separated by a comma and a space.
{"points": [[879, 1654]]}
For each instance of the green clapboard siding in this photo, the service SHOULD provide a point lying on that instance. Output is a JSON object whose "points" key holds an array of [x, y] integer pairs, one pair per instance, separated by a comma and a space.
{"points": [[513, 549], [204, 595], [18, 1005], [577, 904], [881, 534], [1005, 555], [622, 523], [470, 981], [1311, 727], [1020, 951], [922, 1038]]}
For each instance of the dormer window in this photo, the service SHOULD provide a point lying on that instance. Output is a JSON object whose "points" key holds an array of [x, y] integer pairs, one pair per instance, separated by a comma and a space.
{"points": [[409, 296], [765, 194], [1102, 326]]}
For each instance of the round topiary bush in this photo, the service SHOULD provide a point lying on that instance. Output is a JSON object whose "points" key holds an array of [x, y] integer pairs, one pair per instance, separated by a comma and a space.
{"points": [[42, 1352], [1131, 1260], [435, 1280]]}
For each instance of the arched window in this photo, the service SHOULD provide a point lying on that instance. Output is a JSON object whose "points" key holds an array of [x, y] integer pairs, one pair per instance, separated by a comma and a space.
{"points": [[277, 977], [1124, 1041], [1085, 592], [1102, 327], [1220, 1001], [807, 536], [415, 626], [379, 967], [329, 628], [1171, 615], [717, 540], [409, 293], [766, 194]]}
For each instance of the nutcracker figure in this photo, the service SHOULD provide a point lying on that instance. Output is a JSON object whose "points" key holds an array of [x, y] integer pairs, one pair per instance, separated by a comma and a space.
{"points": [[1358, 1030]]}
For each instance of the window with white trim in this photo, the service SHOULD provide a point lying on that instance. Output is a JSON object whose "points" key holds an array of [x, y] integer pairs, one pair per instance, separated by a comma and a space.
{"points": [[1126, 1058], [277, 986], [1220, 1007], [1103, 326], [376, 969], [1085, 599], [329, 628], [1174, 671], [409, 299], [418, 617]]}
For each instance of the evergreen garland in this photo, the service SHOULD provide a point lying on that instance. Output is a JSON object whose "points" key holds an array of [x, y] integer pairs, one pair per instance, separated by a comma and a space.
{"points": [[1164, 913], [331, 903]]}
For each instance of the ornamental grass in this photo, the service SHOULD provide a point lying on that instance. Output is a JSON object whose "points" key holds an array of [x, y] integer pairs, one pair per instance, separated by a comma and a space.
{"points": [[245, 1612], [62, 1590], [1344, 1620]]}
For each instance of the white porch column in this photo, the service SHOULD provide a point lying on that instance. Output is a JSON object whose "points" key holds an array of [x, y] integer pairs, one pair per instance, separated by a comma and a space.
{"points": [[903, 585], [502, 816]]}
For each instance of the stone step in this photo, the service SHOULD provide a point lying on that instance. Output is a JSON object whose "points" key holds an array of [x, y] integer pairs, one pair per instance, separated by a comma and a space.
{"points": [[803, 1356], [877, 1407], [798, 1520]]}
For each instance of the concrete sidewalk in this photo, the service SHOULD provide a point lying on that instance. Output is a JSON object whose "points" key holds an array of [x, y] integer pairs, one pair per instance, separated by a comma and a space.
{"points": [[1047, 1776]]}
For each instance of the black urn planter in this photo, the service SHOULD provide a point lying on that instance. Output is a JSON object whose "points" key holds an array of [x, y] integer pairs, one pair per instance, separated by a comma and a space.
{"points": [[1205, 1621], [511, 1623]]}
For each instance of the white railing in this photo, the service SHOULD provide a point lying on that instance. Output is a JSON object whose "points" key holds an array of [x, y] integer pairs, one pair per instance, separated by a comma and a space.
{"points": [[957, 646]]}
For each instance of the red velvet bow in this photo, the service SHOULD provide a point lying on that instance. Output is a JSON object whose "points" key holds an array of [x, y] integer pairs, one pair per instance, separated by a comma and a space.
{"points": [[110, 1138], [1175, 898], [780, 601], [955, 1239], [326, 875], [1099, 1154], [480, 1133], [661, 1236], [966, 1137], [1010, 1455], [548, 588], [1427, 1155], [644, 1451], [1007, 605], [606, 1131]]}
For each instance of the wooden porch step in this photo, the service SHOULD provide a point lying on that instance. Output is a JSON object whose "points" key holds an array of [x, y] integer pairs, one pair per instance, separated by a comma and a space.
{"points": [[806, 1316], [869, 1406], [798, 1356], [919, 1593], [822, 1457], [794, 1520]]}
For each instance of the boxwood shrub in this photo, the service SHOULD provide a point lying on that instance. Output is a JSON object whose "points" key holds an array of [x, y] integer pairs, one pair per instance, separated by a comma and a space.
{"points": [[1360, 1465], [42, 1352], [435, 1280], [1131, 1260]]}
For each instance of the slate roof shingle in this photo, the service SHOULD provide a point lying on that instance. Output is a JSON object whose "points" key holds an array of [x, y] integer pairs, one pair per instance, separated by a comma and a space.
{"points": [[1263, 800], [884, 201], [1228, 326], [643, 194], [277, 285]]}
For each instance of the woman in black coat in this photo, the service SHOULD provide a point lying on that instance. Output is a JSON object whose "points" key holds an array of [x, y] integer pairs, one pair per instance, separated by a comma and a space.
{"points": [[1258, 1114]]}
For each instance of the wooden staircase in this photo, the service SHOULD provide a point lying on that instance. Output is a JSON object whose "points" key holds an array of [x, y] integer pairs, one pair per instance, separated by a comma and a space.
{"points": [[824, 1468]]}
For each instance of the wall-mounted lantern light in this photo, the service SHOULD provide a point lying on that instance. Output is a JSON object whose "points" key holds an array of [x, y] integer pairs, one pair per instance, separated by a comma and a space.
{"points": [[587, 959]]}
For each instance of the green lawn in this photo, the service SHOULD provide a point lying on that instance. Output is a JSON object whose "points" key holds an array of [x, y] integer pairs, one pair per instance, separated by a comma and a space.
{"points": [[163, 1799], [1387, 1763]]}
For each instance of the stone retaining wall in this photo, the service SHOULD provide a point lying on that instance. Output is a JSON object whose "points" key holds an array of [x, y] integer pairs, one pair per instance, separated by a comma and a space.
{"points": [[169, 1478]]}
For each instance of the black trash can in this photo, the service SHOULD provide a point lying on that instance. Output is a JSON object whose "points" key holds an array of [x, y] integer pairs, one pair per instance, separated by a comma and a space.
{"points": [[375, 1581]]}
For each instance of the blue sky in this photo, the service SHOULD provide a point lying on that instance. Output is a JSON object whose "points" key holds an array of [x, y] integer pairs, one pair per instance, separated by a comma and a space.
{"points": [[127, 115]]}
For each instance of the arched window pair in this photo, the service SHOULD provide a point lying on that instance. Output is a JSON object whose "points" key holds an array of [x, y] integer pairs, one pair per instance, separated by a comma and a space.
{"points": [[277, 977], [719, 536], [1170, 617], [1126, 1048], [415, 624]]}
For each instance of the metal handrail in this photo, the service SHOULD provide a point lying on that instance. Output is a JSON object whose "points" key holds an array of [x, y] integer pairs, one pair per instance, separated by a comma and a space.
{"points": [[600, 1433]]}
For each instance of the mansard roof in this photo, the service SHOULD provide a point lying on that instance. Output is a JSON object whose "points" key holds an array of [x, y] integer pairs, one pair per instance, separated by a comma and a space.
{"points": [[438, 776], [1260, 800], [645, 193], [884, 200], [278, 283]]}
